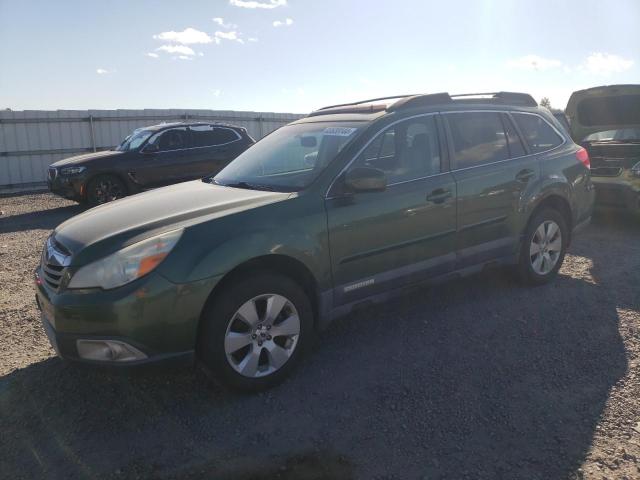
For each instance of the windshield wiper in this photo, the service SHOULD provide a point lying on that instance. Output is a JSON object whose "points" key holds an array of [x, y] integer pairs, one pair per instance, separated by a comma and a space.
{"points": [[246, 185]]}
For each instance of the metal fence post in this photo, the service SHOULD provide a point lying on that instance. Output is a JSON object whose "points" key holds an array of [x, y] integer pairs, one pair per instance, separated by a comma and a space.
{"points": [[93, 133]]}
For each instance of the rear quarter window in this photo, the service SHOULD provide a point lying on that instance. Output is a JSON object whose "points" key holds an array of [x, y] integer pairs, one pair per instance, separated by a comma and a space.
{"points": [[537, 133]]}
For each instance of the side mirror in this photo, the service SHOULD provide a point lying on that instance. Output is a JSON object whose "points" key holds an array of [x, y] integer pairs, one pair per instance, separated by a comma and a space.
{"points": [[365, 179], [151, 148]]}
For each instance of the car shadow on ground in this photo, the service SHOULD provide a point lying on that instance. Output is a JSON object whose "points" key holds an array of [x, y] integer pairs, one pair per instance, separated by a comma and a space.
{"points": [[478, 378], [44, 219]]}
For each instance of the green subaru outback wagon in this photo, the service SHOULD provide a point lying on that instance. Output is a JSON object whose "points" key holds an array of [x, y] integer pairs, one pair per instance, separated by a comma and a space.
{"points": [[345, 207]]}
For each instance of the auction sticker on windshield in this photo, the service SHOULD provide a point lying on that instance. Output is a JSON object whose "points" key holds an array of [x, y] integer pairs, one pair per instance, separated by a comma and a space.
{"points": [[339, 131]]}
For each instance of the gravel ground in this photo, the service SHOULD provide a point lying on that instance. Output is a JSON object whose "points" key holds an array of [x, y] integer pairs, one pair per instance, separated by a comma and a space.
{"points": [[478, 378]]}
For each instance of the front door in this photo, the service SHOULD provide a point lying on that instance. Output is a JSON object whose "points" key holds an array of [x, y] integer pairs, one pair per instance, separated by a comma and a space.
{"points": [[385, 240], [163, 159], [492, 171]]}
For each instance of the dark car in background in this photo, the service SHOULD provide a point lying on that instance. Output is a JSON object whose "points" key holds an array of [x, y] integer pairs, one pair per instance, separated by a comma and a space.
{"points": [[150, 157], [606, 121]]}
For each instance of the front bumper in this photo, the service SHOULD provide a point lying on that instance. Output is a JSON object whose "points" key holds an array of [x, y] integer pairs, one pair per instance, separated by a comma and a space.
{"points": [[618, 193], [153, 315], [71, 187]]}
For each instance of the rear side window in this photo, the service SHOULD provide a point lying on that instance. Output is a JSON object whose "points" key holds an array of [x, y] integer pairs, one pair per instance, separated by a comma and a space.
{"points": [[209, 136], [478, 138], [538, 134], [515, 145]]}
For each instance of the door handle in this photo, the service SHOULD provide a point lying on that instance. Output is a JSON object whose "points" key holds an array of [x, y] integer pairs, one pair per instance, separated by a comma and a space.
{"points": [[524, 175], [439, 195]]}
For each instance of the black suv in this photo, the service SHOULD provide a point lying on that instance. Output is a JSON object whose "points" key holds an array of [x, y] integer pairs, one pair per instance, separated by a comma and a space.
{"points": [[150, 157]]}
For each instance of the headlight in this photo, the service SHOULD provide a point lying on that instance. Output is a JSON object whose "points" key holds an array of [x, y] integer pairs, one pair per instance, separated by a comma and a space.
{"points": [[127, 264], [72, 170]]}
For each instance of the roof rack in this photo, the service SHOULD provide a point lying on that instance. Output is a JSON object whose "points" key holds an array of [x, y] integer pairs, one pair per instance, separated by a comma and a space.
{"points": [[365, 101], [515, 98], [409, 101]]}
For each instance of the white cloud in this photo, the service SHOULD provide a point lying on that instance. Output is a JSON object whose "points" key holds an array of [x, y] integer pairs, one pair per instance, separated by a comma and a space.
{"points": [[187, 37], [233, 35], [228, 26], [216, 92], [255, 4], [184, 57], [605, 63], [180, 49], [534, 62], [101, 71], [152, 55], [284, 23], [252, 39]]}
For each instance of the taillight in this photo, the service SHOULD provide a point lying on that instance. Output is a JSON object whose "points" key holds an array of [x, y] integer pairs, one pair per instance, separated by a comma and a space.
{"points": [[583, 156]]}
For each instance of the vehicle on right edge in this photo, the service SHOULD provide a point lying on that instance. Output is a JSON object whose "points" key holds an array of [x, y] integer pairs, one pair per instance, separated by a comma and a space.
{"points": [[606, 122]]}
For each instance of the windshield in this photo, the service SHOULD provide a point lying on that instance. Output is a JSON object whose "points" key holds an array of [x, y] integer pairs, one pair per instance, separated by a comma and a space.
{"points": [[290, 158], [133, 141], [620, 134]]}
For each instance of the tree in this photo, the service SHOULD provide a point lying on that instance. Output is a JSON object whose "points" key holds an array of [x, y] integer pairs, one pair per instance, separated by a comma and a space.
{"points": [[545, 102]]}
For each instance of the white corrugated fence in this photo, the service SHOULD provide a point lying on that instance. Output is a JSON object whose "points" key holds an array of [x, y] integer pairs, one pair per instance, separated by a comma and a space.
{"points": [[31, 140]]}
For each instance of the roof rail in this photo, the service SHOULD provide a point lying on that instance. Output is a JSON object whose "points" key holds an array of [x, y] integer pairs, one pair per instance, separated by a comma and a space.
{"points": [[409, 101], [504, 97], [420, 101], [360, 102]]}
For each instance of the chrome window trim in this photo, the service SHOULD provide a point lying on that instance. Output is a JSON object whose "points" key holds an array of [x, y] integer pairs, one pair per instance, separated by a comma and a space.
{"points": [[239, 137], [326, 195], [508, 112]]}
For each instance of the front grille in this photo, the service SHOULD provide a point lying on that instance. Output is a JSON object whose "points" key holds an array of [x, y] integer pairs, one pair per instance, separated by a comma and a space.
{"points": [[606, 171], [55, 259], [52, 274], [53, 173]]}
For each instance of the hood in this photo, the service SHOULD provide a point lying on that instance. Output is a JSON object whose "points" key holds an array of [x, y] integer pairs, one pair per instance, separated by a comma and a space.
{"points": [[109, 227], [87, 157], [603, 108]]}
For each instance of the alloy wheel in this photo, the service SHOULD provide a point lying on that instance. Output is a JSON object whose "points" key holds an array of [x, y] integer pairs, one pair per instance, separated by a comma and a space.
{"points": [[546, 247], [262, 335], [107, 190]]}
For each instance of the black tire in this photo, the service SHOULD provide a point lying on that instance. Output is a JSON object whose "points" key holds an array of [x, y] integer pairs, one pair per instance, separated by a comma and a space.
{"points": [[221, 311], [526, 271], [105, 188]]}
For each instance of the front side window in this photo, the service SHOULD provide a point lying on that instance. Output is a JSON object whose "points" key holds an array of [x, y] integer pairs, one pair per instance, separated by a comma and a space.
{"points": [[478, 138], [538, 134], [210, 136], [405, 151], [290, 158], [168, 140]]}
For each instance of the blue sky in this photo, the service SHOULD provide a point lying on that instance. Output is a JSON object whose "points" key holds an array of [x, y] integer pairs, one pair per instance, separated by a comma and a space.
{"points": [[297, 55]]}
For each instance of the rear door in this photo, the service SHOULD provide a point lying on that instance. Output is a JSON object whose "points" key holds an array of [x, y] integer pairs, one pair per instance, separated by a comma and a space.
{"points": [[214, 147], [492, 170], [162, 161], [387, 239]]}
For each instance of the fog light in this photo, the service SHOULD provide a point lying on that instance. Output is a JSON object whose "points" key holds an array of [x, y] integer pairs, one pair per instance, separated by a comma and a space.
{"points": [[108, 350]]}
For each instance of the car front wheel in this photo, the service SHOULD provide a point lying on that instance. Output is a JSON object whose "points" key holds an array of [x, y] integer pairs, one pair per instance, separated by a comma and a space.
{"points": [[255, 331]]}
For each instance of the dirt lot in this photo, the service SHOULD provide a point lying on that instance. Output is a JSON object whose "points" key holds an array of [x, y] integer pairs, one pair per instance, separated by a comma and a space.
{"points": [[478, 378]]}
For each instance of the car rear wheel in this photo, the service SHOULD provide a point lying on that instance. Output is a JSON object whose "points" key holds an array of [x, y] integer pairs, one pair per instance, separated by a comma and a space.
{"points": [[255, 331], [105, 188], [543, 247]]}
